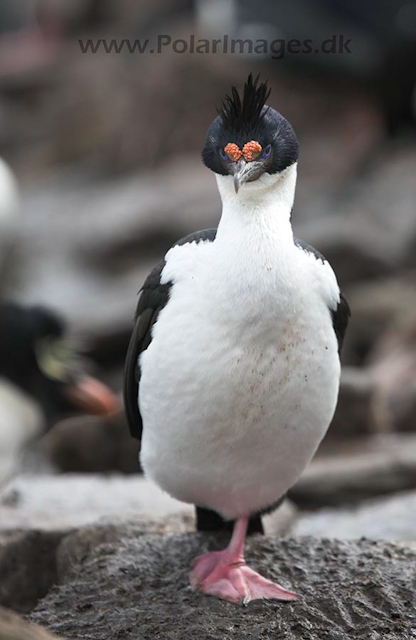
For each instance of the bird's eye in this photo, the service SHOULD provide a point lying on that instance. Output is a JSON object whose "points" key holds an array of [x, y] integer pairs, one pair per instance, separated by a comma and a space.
{"points": [[267, 151], [223, 154]]}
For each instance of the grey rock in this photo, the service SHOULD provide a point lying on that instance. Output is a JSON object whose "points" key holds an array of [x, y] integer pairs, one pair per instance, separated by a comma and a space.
{"points": [[375, 208], [410, 251], [387, 518], [356, 249], [125, 584], [377, 306], [354, 225], [352, 471], [393, 372], [63, 502], [27, 567]]}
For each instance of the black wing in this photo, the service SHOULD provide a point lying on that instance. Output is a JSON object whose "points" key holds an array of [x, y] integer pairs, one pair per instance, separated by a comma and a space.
{"points": [[341, 315], [340, 319], [154, 296]]}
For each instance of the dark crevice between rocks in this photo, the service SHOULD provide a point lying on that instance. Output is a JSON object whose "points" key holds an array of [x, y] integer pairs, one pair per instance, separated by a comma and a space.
{"points": [[28, 567]]}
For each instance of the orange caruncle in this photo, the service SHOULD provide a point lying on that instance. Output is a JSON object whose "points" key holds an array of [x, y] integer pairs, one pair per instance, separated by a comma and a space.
{"points": [[251, 150], [233, 152]]}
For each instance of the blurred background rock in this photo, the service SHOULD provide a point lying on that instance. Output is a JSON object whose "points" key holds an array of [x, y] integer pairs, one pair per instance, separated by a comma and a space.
{"points": [[106, 149]]}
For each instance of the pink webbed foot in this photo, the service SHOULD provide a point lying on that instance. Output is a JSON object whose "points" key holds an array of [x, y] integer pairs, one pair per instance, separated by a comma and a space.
{"points": [[220, 574]]}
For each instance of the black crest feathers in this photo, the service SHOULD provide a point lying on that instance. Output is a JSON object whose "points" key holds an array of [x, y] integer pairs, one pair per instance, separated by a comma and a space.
{"points": [[241, 114]]}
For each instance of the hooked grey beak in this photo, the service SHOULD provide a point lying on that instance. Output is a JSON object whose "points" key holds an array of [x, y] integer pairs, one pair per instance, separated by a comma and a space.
{"points": [[244, 171]]}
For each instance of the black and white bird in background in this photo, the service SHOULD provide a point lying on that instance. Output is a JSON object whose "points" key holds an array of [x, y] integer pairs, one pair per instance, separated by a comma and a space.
{"points": [[233, 368], [42, 379]]}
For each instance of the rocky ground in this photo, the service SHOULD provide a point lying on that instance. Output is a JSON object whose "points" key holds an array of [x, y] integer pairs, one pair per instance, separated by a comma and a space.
{"points": [[124, 582], [79, 555]]}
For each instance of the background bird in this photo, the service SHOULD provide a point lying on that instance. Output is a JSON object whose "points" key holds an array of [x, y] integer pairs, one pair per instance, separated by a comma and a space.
{"points": [[41, 380], [233, 367]]}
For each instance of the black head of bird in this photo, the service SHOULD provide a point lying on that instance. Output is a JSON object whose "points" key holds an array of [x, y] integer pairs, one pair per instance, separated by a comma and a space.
{"points": [[249, 138], [36, 357]]}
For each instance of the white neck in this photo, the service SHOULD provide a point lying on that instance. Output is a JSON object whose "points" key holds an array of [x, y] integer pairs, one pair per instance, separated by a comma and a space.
{"points": [[255, 221]]}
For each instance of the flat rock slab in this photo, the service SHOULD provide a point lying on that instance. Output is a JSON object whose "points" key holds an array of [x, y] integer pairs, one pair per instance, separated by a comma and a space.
{"points": [[388, 518], [68, 501], [357, 469], [117, 583]]}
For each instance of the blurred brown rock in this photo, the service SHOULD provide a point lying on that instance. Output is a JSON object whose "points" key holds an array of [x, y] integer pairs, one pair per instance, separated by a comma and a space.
{"points": [[355, 248], [353, 416], [410, 251], [393, 372], [93, 445], [27, 567], [376, 306]]}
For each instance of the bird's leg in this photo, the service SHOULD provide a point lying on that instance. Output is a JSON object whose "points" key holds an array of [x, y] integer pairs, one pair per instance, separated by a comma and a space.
{"points": [[225, 574]]}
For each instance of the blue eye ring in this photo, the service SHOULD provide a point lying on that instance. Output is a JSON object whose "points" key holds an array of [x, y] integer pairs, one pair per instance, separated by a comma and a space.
{"points": [[267, 151], [223, 154]]}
